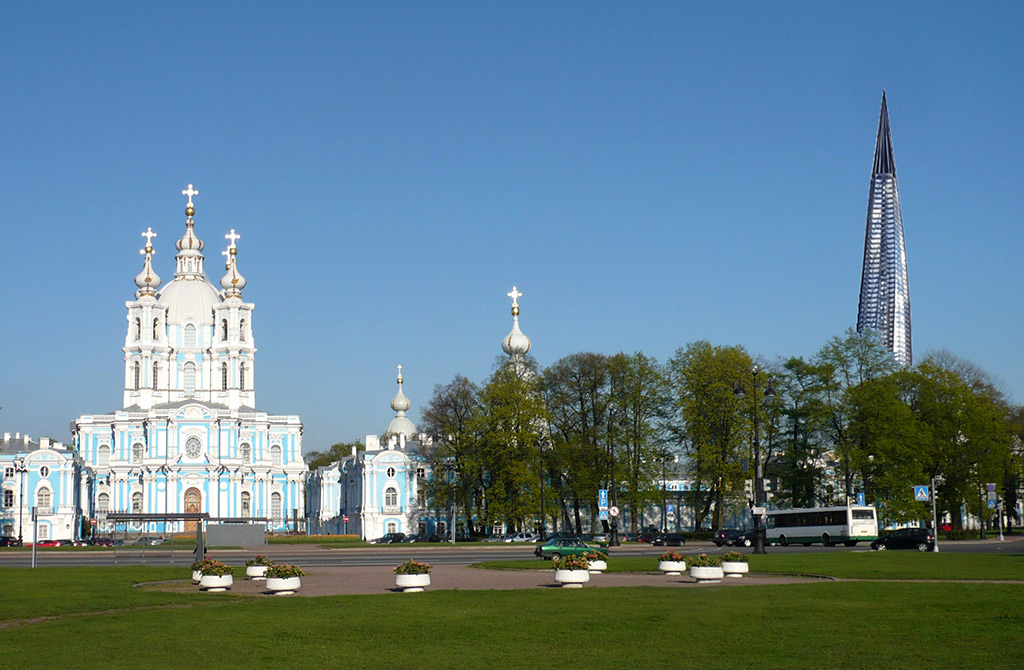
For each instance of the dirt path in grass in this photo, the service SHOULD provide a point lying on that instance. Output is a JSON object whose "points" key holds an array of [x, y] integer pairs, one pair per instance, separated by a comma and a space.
{"points": [[329, 581]]}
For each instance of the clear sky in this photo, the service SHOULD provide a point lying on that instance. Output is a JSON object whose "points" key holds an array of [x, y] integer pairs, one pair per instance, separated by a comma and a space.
{"points": [[647, 174]]}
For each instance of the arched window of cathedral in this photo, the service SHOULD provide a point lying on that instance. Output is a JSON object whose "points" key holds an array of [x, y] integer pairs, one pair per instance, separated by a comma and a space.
{"points": [[275, 507], [224, 329], [156, 325], [246, 503], [190, 335], [241, 377], [246, 453], [138, 328], [156, 369], [43, 498], [223, 376], [392, 527], [391, 497], [136, 453], [138, 374], [190, 378], [103, 502], [241, 330], [103, 455], [275, 454], [137, 502]]}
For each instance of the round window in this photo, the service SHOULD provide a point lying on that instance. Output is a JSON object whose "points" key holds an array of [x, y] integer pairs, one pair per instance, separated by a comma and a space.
{"points": [[391, 473], [193, 447]]}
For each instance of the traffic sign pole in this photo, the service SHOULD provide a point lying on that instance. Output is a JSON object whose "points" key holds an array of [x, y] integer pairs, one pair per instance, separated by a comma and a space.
{"points": [[935, 518]]}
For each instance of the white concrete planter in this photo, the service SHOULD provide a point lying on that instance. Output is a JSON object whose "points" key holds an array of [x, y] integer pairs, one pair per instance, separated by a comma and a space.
{"points": [[707, 574], [196, 576], [672, 567], [216, 582], [256, 572], [572, 579], [598, 566], [412, 583], [735, 568], [283, 586]]}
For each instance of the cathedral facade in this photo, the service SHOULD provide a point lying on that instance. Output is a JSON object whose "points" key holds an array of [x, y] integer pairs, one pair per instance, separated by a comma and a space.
{"points": [[189, 437]]}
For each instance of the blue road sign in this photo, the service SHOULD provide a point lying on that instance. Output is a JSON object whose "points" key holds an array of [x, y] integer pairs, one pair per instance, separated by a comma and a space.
{"points": [[991, 504], [671, 508], [921, 494], [602, 515], [860, 498], [602, 498]]}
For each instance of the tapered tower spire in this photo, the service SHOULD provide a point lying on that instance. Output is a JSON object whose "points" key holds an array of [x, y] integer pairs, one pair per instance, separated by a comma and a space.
{"points": [[884, 284]]}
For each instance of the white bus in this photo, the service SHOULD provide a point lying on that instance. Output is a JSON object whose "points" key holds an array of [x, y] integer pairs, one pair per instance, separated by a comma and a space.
{"points": [[827, 525]]}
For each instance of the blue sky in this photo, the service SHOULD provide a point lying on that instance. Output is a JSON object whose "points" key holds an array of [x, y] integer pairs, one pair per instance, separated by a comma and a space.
{"points": [[647, 176]]}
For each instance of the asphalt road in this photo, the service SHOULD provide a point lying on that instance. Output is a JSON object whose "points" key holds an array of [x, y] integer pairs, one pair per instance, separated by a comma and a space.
{"points": [[312, 555]]}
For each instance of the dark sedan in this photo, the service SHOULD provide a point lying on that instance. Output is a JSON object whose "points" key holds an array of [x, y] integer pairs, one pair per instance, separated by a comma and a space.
{"points": [[726, 536], [921, 539], [669, 540]]}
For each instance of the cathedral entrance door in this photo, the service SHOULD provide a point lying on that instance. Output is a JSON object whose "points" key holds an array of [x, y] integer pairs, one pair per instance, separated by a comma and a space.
{"points": [[193, 505]]}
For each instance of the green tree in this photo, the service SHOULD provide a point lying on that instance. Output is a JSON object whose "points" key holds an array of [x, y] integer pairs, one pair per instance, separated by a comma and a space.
{"points": [[843, 364], [513, 427], [709, 419], [452, 417], [799, 467], [337, 451], [640, 391], [576, 391]]}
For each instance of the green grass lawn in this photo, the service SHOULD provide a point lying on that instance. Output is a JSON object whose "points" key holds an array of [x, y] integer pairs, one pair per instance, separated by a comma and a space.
{"points": [[843, 564], [100, 618]]}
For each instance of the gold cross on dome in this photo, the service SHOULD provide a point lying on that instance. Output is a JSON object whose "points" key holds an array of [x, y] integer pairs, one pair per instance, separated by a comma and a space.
{"points": [[190, 192]]}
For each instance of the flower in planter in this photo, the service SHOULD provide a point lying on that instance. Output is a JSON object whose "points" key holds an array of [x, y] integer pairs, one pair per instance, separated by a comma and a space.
{"points": [[734, 557], [595, 556], [216, 568], [283, 571], [199, 565], [259, 560], [705, 561], [673, 556], [575, 562], [412, 567]]}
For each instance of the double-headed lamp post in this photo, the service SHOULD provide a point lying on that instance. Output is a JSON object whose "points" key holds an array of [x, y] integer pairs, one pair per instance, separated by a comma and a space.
{"points": [[20, 468], [769, 392]]}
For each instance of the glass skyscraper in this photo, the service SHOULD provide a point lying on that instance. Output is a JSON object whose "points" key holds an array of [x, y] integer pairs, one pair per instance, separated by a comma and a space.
{"points": [[884, 287]]}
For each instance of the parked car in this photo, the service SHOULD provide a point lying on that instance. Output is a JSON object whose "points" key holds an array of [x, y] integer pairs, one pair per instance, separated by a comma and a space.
{"points": [[921, 539], [7, 541], [555, 549], [669, 540], [745, 538], [495, 538], [647, 537], [561, 535], [48, 543], [408, 539], [521, 537], [389, 538], [726, 536], [103, 542]]}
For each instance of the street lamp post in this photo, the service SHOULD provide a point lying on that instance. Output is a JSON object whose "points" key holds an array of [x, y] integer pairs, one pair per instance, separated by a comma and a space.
{"points": [[543, 517], [759, 534], [613, 541], [21, 468], [664, 495]]}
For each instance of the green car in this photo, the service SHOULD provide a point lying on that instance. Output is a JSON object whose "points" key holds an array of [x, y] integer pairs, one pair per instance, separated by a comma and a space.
{"points": [[563, 546]]}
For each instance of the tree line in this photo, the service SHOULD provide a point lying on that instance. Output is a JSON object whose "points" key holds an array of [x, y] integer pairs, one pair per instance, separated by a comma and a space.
{"points": [[845, 421]]}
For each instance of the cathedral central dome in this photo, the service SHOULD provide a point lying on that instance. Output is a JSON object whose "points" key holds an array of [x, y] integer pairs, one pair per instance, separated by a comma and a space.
{"points": [[190, 297]]}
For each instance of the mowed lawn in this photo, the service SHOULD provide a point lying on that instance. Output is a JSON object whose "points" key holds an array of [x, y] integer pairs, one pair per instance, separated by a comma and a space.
{"points": [[99, 619]]}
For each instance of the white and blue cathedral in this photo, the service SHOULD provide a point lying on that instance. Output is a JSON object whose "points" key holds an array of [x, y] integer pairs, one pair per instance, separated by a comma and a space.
{"points": [[189, 437]]}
